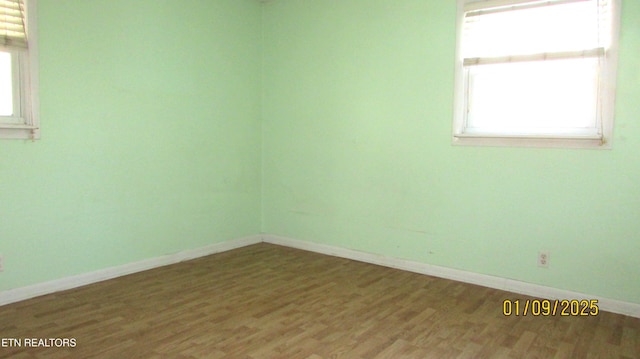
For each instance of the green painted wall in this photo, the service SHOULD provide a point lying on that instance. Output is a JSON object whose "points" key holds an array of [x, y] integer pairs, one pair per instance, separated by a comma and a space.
{"points": [[150, 136], [357, 110], [163, 124]]}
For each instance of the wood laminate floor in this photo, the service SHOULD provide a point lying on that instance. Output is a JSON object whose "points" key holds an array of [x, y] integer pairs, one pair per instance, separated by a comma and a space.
{"points": [[266, 301]]}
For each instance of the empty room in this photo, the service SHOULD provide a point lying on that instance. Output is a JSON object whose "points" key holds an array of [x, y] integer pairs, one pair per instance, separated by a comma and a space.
{"points": [[319, 179]]}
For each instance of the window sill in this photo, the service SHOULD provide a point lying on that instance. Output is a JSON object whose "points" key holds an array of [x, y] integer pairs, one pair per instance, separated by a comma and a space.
{"points": [[19, 132], [542, 141]]}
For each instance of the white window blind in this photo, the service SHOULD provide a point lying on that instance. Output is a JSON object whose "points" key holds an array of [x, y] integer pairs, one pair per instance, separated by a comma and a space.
{"points": [[13, 33], [534, 30]]}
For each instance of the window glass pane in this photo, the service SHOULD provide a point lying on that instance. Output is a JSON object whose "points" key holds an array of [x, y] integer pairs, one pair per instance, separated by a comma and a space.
{"points": [[551, 28], [6, 87], [534, 97]]}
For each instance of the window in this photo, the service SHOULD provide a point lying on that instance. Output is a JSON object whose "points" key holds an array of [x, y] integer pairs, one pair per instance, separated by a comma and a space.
{"points": [[536, 73], [18, 75]]}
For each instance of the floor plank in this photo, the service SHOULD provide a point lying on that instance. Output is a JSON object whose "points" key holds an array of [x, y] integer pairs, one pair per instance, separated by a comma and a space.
{"points": [[266, 301]]}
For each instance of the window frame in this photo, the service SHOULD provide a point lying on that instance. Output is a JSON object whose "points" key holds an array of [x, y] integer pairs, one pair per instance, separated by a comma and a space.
{"points": [[606, 96], [28, 80]]}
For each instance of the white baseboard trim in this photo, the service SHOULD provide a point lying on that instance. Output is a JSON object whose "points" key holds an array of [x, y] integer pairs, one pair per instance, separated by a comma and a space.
{"points": [[31, 291], [509, 285]]}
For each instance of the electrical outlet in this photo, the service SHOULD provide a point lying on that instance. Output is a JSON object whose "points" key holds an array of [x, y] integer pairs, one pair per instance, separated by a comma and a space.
{"points": [[543, 259], [1, 263]]}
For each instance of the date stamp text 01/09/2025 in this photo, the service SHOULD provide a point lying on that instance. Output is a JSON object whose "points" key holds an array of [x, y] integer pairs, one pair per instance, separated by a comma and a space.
{"points": [[547, 307]]}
